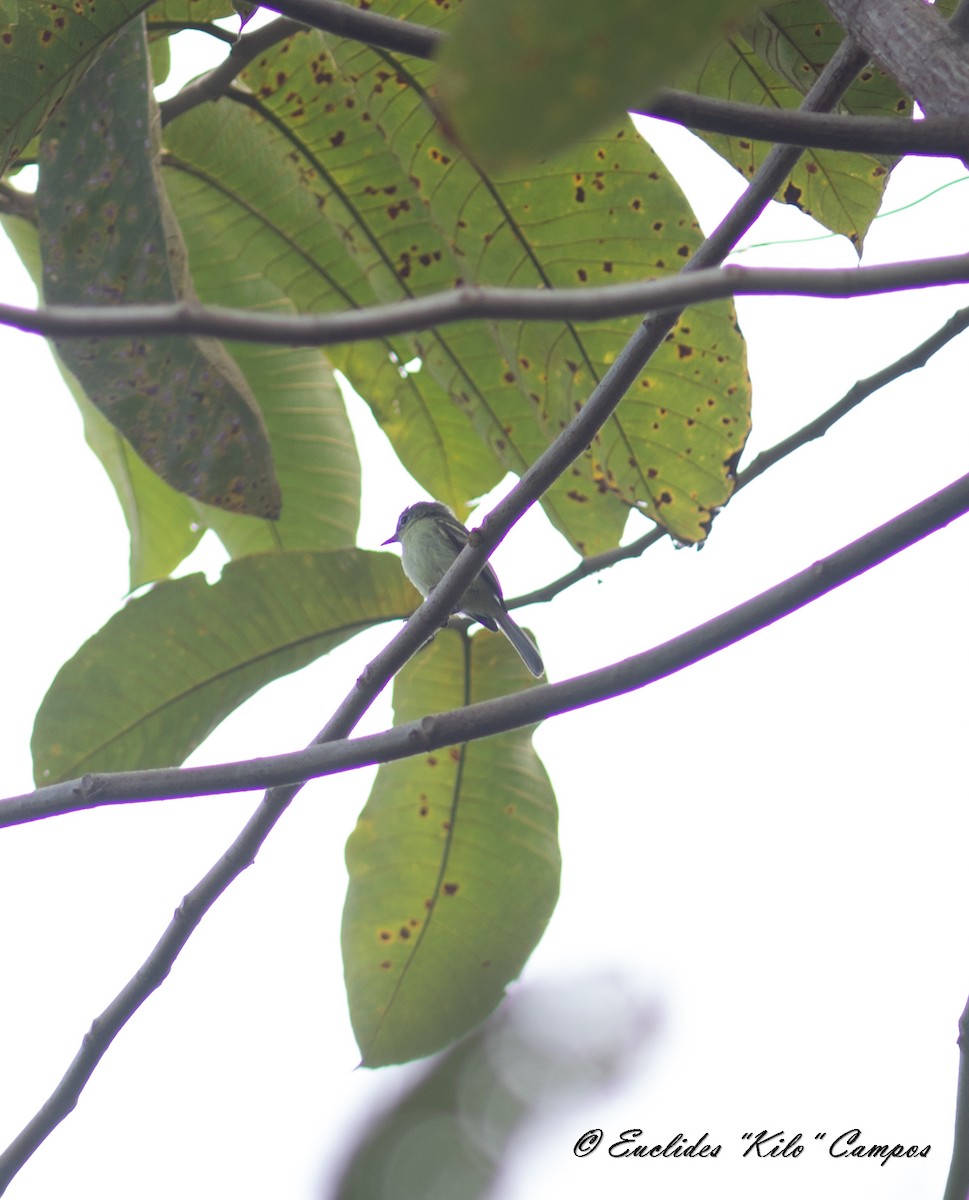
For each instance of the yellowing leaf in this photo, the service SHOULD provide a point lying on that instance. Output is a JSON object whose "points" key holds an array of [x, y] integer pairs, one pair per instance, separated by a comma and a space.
{"points": [[454, 865], [773, 61], [358, 198]]}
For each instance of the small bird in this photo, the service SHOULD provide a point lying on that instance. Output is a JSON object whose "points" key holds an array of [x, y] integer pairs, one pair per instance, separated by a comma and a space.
{"points": [[431, 537]]}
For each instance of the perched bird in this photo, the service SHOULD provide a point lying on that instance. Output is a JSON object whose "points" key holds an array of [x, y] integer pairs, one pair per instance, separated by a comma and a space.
{"points": [[431, 537]]}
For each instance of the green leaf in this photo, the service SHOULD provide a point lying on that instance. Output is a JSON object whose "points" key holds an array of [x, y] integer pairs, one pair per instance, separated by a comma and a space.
{"points": [[364, 201], [108, 236], [162, 523], [572, 66], [454, 864], [314, 451], [160, 57], [773, 62], [172, 664], [44, 51]]}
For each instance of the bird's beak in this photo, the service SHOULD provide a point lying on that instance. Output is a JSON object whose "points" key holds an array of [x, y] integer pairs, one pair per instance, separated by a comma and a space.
{"points": [[390, 540]]}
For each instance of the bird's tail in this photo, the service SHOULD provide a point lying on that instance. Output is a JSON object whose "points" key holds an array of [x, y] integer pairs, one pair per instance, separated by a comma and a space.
{"points": [[522, 643]]}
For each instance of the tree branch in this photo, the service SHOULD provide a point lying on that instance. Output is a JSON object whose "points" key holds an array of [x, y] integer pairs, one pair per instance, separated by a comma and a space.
{"points": [[915, 358], [491, 717], [603, 401], [916, 46], [213, 31], [937, 136], [214, 83], [469, 303], [343, 20]]}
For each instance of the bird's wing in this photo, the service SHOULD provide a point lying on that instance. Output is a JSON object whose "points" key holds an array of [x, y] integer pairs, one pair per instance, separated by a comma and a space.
{"points": [[459, 539]]}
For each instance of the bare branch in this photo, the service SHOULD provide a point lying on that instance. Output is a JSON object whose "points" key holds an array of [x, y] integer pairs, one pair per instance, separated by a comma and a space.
{"points": [[817, 428], [571, 442], [938, 136], [589, 566], [206, 27], [343, 20], [485, 303], [213, 84]]}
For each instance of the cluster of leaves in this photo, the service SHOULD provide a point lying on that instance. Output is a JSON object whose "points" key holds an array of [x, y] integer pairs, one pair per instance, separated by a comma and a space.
{"points": [[324, 180]]}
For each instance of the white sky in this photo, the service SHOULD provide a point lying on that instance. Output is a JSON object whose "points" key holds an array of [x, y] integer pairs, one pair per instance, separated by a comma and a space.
{"points": [[768, 847]]}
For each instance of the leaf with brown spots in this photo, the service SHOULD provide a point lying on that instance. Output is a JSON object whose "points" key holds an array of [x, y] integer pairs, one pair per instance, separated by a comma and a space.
{"points": [[310, 241], [773, 62], [394, 212], [454, 865], [162, 523], [108, 236], [43, 54]]}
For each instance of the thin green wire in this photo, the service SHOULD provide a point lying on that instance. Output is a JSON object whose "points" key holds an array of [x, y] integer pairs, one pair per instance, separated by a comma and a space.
{"points": [[824, 237]]}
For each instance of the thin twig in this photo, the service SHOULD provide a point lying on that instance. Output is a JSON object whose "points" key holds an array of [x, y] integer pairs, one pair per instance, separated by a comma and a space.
{"points": [[213, 84], [469, 302], [214, 31], [346, 21], [817, 428], [603, 401]]}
